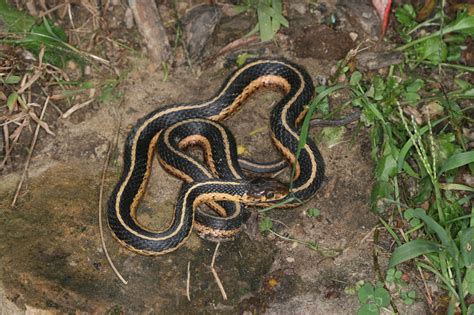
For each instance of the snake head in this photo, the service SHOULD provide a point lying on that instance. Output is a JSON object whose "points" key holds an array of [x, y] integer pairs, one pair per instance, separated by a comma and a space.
{"points": [[267, 189]]}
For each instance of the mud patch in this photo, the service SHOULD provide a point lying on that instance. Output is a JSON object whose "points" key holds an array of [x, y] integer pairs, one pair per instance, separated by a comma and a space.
{"points": [[320, 42], [52, 257]]}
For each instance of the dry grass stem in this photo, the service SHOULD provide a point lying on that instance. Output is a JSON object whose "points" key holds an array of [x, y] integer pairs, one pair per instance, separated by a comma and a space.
{"points": [[216, 276], [30, 153], [101, 199], [76, 107], [48, 12], [429, 299], [366, 236]]}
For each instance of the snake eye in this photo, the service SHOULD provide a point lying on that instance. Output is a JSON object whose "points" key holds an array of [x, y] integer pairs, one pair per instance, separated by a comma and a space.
{"points": [[270, 194]]}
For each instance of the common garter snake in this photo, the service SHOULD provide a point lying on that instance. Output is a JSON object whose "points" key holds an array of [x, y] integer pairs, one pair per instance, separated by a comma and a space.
{"points": [[297, 88]]}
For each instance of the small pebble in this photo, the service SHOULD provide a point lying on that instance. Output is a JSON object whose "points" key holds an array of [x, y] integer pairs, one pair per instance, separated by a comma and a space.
{"points": [[71, 65], [129, 18], [290, 259], [353, 36]]}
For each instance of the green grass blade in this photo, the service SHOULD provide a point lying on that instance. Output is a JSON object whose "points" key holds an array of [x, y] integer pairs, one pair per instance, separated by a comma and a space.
{"points": [[412, 250], [461, 187], [16, 21], [464, 24], [309, 114], [311, 109], [264, 22], [391, 231], [466, 239], [457, 160], [442, 234], [446, 281]]}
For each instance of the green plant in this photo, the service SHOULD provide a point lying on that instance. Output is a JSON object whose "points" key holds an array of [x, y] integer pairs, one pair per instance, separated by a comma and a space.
{"points": [[394, 277], [414, 126], [313, 212], [33, 34], [269, 15], [438, 47], [372, 298]]}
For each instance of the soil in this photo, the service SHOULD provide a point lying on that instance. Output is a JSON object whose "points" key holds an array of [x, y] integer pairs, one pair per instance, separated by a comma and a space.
{"points": [[51, 255]]}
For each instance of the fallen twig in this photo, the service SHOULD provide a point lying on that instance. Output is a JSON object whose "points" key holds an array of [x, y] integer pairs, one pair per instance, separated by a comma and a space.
{"points": [[216, 276], [15, 136], [429, 299], [6, 136], [30, 153], [76, 107], [188, 282]]}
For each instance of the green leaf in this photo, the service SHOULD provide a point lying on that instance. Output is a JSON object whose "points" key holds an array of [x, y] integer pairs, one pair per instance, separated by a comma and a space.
{"points": [[365, 293], [277, 17], [434, 50], [240, 8], [463, 24], [441, 233], [390, 277], [386, 168], [412, 250], [411, 97], [265, 224], [468, 281], [408, 301], [406, 15], [457, 160], [466, 239], [16, 21], [323, 105], [461, 187], [470, 309], [242, 59], [12, 79], [377, 89], [264, 22], [313, 212], [11, 100], [415, 86], [381, 297], [355, 78], [464, 85], [380, 190], [368, 309], [408, 215], [332, 136]]}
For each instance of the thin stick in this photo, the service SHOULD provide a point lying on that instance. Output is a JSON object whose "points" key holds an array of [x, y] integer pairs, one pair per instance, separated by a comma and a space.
{"points": [[368, 235], [188, 282], [6, 136], [51, 10], [428, 294], [76, 107], [30, 153], [16, 136], [101, 197], [216, 276]]}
